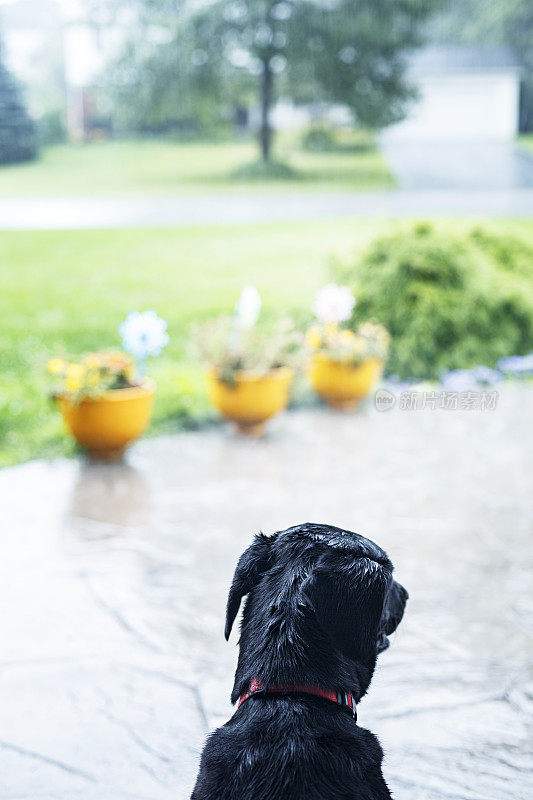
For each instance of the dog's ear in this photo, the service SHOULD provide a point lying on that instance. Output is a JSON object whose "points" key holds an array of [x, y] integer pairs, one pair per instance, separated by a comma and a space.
{"points": [[347, 596], [393, 611], [253, 563]]}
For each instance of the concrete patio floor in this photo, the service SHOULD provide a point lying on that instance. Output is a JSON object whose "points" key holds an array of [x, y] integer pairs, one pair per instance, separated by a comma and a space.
{"points": [[114, 580]]}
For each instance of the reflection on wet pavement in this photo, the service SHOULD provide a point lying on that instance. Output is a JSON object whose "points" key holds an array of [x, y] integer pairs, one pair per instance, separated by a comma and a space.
{"points": [[113, 584]]}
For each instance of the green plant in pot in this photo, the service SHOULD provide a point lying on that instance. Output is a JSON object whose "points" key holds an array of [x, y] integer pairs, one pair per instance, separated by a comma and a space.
{"points": [[250, 371]]}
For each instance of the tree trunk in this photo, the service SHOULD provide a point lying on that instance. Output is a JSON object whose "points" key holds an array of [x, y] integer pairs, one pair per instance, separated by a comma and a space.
{"points": [[266, 102]]}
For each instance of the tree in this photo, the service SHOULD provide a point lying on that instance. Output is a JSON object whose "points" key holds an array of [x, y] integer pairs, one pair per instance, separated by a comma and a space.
{"points": [[17, 131], [346, 51], [228, 51], [163, 82]]}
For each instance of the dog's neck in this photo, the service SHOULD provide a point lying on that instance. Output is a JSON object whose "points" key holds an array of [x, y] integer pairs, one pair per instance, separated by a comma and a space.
{"points": [[281, 645]]}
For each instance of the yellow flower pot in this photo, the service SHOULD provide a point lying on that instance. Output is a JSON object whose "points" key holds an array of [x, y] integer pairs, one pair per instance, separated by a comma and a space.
{"points": [[253, 400], [342, 385], [106, 425]]}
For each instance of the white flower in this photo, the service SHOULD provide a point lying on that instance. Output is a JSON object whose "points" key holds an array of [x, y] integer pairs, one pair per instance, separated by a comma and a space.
{"points": [[248, 307], [333, 303], [143, 334]]}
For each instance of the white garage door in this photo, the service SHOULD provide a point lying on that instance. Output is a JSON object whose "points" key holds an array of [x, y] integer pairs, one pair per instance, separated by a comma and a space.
{"points": [[462, 107]]}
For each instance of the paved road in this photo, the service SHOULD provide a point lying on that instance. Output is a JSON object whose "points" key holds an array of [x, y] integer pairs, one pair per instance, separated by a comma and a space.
{"points": [[113, 582], [485, 166], [235, 209]]}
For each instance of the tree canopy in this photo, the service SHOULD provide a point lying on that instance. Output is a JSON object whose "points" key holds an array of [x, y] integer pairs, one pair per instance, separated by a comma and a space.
{"points": [[192, 64]]}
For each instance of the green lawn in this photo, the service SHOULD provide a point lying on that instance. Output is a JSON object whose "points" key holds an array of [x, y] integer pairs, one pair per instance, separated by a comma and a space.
{"points": [[526, 141], [66, 292], [161, 166]]}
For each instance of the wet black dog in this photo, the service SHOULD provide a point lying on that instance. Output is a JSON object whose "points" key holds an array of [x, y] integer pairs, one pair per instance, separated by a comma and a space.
{"points": [[321, 603]]}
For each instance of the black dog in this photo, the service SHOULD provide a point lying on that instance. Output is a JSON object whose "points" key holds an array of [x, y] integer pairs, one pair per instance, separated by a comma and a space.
{"points": [[321, 603]]}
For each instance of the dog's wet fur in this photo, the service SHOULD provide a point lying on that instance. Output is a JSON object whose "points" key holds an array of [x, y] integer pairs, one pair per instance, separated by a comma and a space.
{"points": [[321, 604]]}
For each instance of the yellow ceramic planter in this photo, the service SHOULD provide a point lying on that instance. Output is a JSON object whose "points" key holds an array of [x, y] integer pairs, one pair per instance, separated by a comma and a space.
{"points": [[105, 426], [253, 400], [341, 385]]}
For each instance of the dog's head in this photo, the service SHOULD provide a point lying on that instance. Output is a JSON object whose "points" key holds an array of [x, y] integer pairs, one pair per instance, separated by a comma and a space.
{"points": [[320, 578]]}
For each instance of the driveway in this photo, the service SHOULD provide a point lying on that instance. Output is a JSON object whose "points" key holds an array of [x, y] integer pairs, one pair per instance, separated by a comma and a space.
{"points": [[471, 166], [113, 581]]}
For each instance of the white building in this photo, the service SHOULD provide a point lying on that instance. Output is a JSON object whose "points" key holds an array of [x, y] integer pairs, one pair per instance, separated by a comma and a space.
{"points": [[56, 55], [465, 94]]}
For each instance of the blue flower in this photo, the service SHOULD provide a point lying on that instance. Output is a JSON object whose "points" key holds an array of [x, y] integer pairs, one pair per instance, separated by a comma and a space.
{"points": [[458, 380], [487, 376], [520, 366], [143, 334]]}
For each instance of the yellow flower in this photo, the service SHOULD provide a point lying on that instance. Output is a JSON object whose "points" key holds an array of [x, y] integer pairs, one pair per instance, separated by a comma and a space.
{"points": [[313, 336], [73, 379], [360, 346], [129, 372], [92, 361], [92, 378], [330, 330], [119, 363], [376, 334], [347, 337], [72, 384], [55, 366], [75, 371]]}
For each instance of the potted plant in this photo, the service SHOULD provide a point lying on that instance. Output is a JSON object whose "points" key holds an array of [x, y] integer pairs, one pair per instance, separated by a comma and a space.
{"points": [[105, 400], [345, 364], [250, 372]]}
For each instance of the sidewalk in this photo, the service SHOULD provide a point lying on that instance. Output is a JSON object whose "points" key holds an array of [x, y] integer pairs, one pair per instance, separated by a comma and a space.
{"points": [[114, 579], [236, 209]]}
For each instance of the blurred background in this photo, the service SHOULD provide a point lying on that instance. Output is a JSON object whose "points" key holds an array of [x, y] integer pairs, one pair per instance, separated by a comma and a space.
{"points": [[323, 127], [161, 155], [107, 69]]}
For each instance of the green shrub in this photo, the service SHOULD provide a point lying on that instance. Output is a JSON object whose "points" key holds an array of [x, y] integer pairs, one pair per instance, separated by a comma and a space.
{"points": [[320, 138], [448, 300], [327, 138], [264, 171]]}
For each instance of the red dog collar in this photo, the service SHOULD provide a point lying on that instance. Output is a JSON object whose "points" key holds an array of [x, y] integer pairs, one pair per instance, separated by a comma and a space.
{"points": [[344, 699]]}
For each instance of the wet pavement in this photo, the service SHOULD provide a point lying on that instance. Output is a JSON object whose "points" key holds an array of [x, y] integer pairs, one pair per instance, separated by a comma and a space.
{"points": [[73, 213], [114, 580], [488, 166]]}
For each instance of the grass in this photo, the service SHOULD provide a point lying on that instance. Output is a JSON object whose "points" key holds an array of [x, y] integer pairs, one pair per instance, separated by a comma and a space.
{"points": [[66, 292], [165, 167], [526, 142]]}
